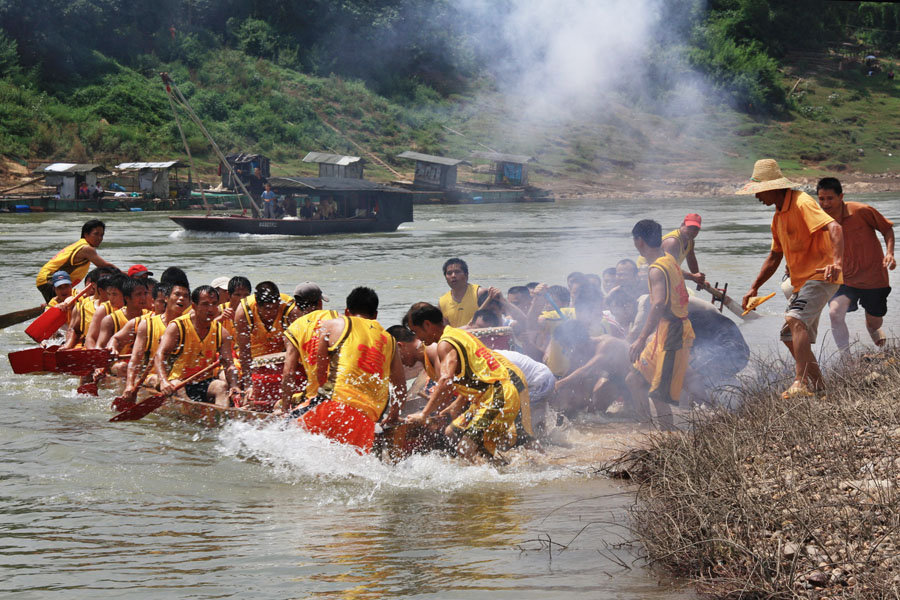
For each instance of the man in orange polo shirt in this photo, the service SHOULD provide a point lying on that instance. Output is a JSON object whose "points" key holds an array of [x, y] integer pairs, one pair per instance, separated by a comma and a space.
{"points": [[866, 267], [812, 243]]}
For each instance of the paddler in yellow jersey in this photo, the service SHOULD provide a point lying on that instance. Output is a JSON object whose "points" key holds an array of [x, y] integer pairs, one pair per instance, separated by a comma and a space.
{"points": [[83, 311], [113, 286], [661, 352], [149, 332], [191, 343], [680, 244], [236, 289], [460, 303], [301, 343], [472, 370], [259, 324], [358, 365], [136, 294], [124, 338], [75, 259]]}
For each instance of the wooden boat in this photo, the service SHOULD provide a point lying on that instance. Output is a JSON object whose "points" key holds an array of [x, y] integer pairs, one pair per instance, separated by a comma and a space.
{"points": [[360, 206]]}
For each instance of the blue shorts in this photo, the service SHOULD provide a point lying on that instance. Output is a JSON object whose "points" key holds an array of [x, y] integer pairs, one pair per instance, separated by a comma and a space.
{"points": [[874, 301]]}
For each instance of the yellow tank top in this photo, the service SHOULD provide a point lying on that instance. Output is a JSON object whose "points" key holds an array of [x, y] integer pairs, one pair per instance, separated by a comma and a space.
{"points": [[228, 324], [304, 335], [155, 329], [360, 366], [478, 366], [193, 354], [86, 309], [684, 251], [676, 292], [120, 320], [265, 340], [65, 261], [459, 314]]}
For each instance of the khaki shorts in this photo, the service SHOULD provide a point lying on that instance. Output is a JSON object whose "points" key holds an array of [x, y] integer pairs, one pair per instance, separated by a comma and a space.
{"points": [[806, 305]]}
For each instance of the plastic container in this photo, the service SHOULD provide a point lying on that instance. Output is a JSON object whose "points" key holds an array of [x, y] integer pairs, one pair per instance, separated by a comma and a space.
{"points": [[136, 209], [22, 208]]}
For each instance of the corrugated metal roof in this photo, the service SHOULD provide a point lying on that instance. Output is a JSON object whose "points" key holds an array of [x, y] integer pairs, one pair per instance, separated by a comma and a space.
{"points": [[70, 168], [325, 184], [519, 159], [150, 165], [332, 159], [438, 160]]}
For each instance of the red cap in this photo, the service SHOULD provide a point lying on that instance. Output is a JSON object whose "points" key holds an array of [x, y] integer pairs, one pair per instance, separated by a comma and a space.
{"points": [[139, 271], [692, 220]]}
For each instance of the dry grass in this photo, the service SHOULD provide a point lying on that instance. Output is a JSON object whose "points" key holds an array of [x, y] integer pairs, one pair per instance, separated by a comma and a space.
{"points": [[781, 499]]}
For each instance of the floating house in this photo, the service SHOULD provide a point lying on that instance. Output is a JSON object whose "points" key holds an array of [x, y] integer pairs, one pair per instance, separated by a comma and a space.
{"points": [[433, 172], [243, 165], [507, 169], [337, 165], [67, 177], [152, 177]]}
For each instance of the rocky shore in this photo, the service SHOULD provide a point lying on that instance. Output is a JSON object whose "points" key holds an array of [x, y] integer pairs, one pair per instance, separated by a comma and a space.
{"points": [[780, 499]]}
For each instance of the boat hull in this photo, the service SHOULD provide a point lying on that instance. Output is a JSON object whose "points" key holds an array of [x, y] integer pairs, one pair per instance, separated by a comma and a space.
{"points": [[236, 224]]}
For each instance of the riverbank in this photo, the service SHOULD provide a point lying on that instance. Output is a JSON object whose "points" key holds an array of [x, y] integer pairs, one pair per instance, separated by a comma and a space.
{"points": [[781, 499]]}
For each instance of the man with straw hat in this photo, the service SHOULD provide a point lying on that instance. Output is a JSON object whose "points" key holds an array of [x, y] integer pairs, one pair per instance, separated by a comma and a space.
{"points": [[812, 243]]}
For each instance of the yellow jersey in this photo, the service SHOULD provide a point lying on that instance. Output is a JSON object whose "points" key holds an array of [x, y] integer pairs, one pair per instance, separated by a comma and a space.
{"points": [[360, 368], [265, 340], [155, 329], [683, 251], [86, 309], [120, 320], [459, 314], [304, 335], [54, 301], [193, 354], [65, 261], [478, 366], [676, 292]]}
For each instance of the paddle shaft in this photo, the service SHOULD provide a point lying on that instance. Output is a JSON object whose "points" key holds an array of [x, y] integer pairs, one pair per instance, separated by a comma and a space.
{"points": [[142, 409], [555, 307], [20, 316]]}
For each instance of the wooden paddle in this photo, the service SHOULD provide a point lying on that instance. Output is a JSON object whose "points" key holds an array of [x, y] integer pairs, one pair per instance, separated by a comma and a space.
{"points": [[142, 409], [20, 316], [727, 302], [53, 318]]}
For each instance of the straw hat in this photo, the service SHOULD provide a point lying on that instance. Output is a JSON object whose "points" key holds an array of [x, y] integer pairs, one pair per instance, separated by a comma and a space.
{"points": [[766, 176]]}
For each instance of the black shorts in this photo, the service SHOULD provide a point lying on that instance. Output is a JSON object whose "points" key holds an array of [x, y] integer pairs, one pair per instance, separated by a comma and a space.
{"points": [[874, 301], [196, 391]]}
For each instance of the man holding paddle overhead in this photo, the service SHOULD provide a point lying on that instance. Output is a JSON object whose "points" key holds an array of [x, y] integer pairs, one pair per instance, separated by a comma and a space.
{"points": [[75, 259], [812, 243], [190, 344]]}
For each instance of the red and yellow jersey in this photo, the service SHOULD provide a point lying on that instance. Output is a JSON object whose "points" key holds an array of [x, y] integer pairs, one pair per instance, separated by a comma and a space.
{"points": [[360, 368], [193, 354], [65, 261], [304, 335], [478, 366], [265, 340]]}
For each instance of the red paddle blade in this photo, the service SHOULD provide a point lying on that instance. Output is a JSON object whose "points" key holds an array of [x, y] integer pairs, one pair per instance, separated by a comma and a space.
{"points": [[119, 403], [47, 324], [141, 409], [89, 388], [27, 361], [80, 360]]}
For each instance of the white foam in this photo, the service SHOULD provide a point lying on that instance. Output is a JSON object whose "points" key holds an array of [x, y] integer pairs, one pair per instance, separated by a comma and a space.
{"points": [[299, 457]]}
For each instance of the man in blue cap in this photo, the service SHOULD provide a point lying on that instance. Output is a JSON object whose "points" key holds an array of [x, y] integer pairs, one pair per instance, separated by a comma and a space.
{"points": [[62, 286]]}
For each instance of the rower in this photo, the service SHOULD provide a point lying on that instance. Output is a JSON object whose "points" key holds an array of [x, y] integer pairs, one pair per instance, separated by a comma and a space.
{"points": [[358, 364], [191, 343], [62, 288], [75, 259], [236, 289], [221, 285], [299, 382], [680, 244], [137, 304], [83, 312], [124, 338], [149, 333], [259, 323], [113, 286], [460, 303], [471, 369]]}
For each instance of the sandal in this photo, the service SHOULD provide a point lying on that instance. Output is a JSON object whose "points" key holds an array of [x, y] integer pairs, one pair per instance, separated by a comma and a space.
{"points": [[797, 390]]}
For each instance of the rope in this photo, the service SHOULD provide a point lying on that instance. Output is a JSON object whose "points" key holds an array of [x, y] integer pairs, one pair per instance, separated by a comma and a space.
{"points": [[187, 148], [196, 120]]}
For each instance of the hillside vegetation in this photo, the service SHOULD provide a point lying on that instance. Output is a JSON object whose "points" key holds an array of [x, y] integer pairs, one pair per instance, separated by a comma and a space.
{"points": [[285, 77]]}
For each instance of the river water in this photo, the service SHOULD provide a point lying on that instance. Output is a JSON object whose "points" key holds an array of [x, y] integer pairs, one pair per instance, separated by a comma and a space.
{"points": [[163, 508]]}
